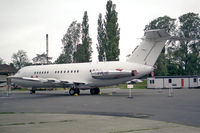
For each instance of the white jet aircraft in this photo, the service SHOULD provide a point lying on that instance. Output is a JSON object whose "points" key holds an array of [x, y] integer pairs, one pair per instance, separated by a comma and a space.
{"points": [[94, 75]]}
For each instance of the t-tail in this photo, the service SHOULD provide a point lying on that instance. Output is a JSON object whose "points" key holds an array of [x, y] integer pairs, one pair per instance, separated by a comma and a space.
{"points": [[150, 48]]}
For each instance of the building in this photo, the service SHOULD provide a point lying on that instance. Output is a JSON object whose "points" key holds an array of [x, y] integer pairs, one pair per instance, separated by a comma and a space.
{"points": [[6, 70], [161, 82]]}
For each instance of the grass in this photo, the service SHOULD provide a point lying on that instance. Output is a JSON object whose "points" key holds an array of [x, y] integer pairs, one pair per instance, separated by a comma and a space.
{"points": [[7, 113], [136, 130], [142, 85], [12, 124], [33, 123], [20, 89], [65, 121], [43, 122]]}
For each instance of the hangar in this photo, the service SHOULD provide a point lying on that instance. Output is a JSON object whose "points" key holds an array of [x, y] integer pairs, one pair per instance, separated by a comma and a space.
{"points": [[159, 82], [6, 70]]}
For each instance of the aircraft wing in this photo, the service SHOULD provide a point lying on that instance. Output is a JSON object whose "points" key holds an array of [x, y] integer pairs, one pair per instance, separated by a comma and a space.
{"points": [[24, 78], [48, 80]]}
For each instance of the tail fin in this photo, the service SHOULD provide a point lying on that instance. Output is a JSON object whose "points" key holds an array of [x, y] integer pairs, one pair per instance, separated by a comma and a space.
{"points": [[150, 48]]}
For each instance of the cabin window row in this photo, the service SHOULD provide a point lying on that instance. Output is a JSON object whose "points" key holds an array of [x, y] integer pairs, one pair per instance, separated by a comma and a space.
{"points": [[43, 72], [67, 71], [92, 70]]}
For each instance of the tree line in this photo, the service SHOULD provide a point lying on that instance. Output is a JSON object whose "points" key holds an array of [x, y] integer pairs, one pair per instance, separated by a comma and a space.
{"points": [[77, 42], [180, 57], [177, 57]]}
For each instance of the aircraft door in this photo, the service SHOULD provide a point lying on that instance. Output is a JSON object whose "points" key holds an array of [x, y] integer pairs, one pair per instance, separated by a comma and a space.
{"points": [[182, 83]]}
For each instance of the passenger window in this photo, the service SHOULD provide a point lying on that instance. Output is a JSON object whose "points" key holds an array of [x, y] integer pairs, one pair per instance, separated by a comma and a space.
{"points": [[64, 71], [195, 80], [77, 71], [60, 71], [74, 71], [170, 81], [71, 71], [68, 71]]}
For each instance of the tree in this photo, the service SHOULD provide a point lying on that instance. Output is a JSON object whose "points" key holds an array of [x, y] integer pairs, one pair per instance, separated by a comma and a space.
{"points": [[84, 50], [168, 24], [70, 41], [62, 59], [182, 57], [101, 37], [164, 22], [188, 51], [1, 61], [80, 55], [109, 34], [20, 59], [41, 59], [112, 32]]}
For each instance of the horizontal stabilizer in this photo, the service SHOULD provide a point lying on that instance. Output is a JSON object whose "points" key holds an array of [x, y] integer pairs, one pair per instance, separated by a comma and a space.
{"points": [[156, 35]]}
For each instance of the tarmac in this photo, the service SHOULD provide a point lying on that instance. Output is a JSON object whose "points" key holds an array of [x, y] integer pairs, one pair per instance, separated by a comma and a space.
{"points": [[149, 111], [76, 123]]}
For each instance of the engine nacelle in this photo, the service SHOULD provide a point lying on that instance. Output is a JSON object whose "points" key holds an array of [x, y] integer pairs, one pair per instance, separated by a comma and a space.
{"points": [[134, 73], [113, 74]]}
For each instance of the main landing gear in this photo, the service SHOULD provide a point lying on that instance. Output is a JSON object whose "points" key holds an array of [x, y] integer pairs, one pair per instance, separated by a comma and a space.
{"points": [[76, 91], [95, 91], [32, 91]]}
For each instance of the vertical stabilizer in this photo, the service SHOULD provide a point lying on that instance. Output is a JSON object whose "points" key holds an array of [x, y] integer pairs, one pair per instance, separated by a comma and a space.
{"points": [[150, 48]]}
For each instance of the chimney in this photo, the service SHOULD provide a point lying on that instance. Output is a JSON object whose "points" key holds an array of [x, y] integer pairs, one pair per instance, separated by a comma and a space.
{"points": [[47, 49]]}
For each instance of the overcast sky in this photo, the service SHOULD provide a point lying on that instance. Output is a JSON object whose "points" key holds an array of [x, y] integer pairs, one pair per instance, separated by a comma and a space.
{"points": [[24, 23]]}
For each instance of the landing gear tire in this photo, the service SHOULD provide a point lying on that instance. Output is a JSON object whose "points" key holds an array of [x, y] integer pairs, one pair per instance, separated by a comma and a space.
{"points": [[74, 91], [94, 91], [32, 91]]}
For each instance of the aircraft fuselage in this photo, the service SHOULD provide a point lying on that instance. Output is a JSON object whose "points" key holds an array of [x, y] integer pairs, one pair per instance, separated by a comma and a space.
{"points": [[81, 74]]}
